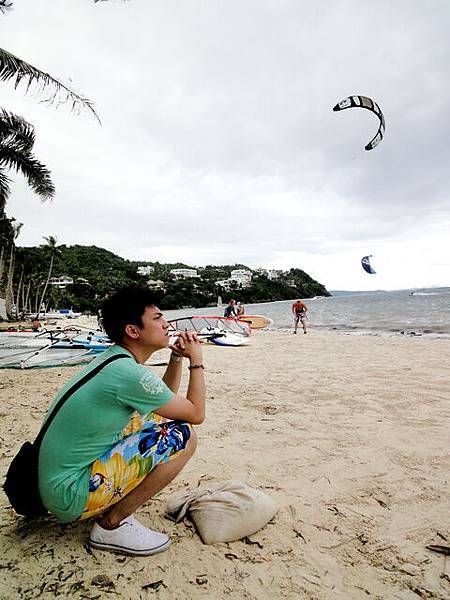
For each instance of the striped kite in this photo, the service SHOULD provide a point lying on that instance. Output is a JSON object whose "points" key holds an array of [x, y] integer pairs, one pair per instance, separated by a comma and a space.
{"points": [[369, 104]]}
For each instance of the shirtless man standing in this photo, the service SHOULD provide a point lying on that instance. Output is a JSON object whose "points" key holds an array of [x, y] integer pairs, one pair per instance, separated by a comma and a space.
{"points": [[299, 310]]}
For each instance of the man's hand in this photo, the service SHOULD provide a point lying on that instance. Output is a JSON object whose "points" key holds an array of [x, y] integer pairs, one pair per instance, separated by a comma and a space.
{"points": [[188, 345]]}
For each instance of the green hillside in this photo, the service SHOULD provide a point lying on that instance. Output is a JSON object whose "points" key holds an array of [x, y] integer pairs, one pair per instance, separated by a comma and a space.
{"points": [[96, 272]]}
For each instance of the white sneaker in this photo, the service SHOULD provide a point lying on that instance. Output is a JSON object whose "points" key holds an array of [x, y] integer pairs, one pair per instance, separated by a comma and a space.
{"points": [[129, 538]]}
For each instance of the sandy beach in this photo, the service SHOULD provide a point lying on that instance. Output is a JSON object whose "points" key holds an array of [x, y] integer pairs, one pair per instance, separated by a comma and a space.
{"points": [[349, 434]]}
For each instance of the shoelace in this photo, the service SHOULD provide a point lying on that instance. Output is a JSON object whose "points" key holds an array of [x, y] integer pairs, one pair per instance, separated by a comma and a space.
{"points": [[137, 528]]}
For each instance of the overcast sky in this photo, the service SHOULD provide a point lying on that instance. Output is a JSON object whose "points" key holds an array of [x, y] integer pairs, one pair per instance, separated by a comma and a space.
{"points": [[218, 142]]}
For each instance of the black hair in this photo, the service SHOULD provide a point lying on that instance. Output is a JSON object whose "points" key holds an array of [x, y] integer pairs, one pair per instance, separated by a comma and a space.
{"points": [[123, 308]]}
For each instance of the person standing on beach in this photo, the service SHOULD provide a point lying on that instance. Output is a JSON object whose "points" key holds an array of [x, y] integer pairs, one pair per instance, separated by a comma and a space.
{"points": [[123, 435], [99, 320], [230, 310], [299, 310]]}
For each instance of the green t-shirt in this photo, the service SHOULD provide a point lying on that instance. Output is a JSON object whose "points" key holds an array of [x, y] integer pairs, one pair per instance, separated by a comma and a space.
{"points": [[88, 424]]}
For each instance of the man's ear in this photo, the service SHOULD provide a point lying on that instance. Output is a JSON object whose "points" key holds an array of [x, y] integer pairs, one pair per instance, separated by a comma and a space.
{"points": [[132, 331]]}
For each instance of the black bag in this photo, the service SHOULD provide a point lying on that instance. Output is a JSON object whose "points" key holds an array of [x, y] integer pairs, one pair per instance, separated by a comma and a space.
{"points": [[21, 483], [22, 479]]}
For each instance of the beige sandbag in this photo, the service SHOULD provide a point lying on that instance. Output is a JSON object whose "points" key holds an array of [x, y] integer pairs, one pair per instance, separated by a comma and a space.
{"points": [[224, 512]]}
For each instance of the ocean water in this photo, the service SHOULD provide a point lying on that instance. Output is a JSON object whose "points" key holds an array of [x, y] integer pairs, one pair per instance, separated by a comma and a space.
{"points": [[419, 312]]}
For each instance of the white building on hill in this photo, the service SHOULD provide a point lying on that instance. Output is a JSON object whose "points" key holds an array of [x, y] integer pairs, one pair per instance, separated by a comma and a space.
{"points": [[183, 273], [61, 282], [239, 278], [156, 284], [242, 277], [225, 284], [145, 270], [274, 274]]}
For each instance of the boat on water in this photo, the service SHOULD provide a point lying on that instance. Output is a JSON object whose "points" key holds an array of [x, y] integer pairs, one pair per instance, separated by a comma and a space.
{"points": [[424, 293]]}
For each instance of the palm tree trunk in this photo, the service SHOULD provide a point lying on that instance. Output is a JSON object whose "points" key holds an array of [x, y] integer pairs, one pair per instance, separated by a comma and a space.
{"points": [[19, 295], [24, 308], [27, 296], [36, 298], [2, 263], [9, 299], [45, 286]]}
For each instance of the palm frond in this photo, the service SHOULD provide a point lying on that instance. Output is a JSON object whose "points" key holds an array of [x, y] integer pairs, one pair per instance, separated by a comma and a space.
{"points": [[15, 131], [5, 5], [36, 173], [16, 229], [4, 190], [50, 240], [51, 245], [16, 69]]}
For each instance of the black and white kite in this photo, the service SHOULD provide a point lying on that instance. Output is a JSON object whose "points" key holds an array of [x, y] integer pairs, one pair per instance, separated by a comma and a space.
{"points": [[365, 262], [369, 104]]}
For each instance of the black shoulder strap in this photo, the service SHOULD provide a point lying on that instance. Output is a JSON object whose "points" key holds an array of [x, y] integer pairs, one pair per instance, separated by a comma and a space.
{"points": [[69, 392]]}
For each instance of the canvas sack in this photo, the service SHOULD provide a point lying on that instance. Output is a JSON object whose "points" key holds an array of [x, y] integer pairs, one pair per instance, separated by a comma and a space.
{"points": [[225, 512]]}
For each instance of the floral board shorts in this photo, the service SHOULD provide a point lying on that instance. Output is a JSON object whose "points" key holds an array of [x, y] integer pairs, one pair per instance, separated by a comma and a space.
{"points": [[146, 442]]}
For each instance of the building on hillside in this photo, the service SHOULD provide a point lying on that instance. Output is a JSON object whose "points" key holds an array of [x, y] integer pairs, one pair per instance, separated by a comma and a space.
{"points": [[239, 278], [183, 273], [82, 281], [156, 284], [145, 270], [225, 284], [274, 274], [242, 277], [61, 282]]}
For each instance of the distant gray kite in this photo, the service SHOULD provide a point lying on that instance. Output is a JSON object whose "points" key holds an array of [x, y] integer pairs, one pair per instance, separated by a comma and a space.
{"points": [[369, 104], [365, 262]]}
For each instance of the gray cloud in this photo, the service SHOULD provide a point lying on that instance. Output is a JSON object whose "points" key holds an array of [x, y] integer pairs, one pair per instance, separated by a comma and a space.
{"points": [[218, 141]]}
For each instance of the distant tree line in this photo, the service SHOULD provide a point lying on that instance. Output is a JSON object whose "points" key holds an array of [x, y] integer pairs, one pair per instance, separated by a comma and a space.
{"points": [[96, 272]]}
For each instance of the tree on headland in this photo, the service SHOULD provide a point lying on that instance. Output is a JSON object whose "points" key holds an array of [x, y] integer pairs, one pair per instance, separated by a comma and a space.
{"points": [[5, 234], [16, 152], [51, 244], [9, 300]]}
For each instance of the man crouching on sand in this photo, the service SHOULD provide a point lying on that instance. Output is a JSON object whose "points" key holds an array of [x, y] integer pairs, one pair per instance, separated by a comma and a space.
{"points": [[124, 434]]}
